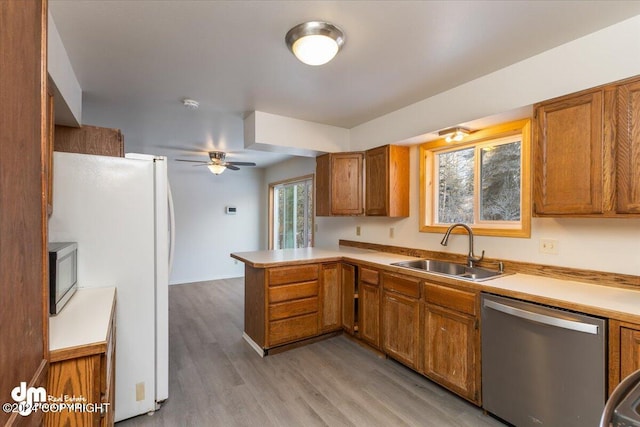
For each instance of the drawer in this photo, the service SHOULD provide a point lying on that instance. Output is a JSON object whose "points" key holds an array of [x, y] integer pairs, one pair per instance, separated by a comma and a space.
{"points": [[292, 274], [293, 291], [408, 286], [292, 329], [369, 276], [293, 308], [455, 299]]}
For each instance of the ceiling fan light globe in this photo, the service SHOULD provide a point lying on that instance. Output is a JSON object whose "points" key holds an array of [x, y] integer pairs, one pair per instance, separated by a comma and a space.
{"points": [[217, 169]]}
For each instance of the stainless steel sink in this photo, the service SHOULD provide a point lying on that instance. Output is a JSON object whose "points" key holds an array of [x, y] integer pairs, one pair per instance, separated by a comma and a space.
{"points": [[460, 271]]}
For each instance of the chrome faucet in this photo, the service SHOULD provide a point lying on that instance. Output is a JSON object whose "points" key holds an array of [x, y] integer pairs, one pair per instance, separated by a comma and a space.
{"points": [[471, 258]]}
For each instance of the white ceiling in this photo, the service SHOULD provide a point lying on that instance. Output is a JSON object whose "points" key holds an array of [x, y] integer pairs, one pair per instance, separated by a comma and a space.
{"points": [[136, 60]]}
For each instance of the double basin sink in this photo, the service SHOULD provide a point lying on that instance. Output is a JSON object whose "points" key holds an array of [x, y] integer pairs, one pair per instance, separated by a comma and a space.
{"points": [[451, 269]]}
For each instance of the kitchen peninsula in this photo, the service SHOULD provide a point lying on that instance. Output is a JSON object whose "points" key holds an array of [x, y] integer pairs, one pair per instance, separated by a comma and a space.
{"points": [[295, 295]]}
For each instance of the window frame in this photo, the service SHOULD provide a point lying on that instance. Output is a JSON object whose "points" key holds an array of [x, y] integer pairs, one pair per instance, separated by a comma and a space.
{"points": [[271, 221], [428, 192]]}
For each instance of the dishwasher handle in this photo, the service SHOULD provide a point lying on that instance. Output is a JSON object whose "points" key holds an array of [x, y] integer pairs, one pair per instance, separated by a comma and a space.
{"points": [[542, 318]]}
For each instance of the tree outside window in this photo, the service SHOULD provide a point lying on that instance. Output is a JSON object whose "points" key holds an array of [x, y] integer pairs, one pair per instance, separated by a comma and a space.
{"points": [[291, 215], [483, 181]]}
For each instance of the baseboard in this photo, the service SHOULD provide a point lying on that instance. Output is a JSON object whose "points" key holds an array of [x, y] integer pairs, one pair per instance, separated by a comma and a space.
{"points": [[253, 344]]}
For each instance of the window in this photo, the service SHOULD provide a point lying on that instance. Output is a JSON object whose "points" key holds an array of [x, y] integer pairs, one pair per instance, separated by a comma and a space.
{"points": [[483, 181], [291, 213]]}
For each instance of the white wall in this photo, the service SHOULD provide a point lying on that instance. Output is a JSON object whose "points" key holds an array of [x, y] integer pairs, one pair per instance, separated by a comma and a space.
{"points": [[205, 235], [611, 245], [598, 58]]}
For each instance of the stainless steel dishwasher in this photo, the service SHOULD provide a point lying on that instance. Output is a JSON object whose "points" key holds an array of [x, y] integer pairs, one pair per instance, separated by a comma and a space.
{"points": [[542, 366]]}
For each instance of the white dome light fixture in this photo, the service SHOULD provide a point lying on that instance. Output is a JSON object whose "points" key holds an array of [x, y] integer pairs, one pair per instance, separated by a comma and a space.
{"points": [[315, 42], [217, 169]]}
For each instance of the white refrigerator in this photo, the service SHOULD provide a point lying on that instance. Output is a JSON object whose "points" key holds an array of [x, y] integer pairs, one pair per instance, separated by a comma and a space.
{"points": [[119, 210]]}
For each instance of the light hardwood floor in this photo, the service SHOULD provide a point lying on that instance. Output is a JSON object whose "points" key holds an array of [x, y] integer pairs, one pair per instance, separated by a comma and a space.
{"points": [[216, 379]]}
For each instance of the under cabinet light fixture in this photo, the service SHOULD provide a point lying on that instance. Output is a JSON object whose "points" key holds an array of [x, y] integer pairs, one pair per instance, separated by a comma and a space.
{"points": [[456, 134], [315, 42]]}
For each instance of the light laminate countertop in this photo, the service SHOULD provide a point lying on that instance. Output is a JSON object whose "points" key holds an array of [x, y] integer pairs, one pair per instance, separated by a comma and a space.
{"points": [[84, 320], [606, 301]]}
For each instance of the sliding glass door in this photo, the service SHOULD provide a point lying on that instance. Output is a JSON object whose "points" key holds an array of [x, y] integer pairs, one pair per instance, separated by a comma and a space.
{"points": [[291, 216]]}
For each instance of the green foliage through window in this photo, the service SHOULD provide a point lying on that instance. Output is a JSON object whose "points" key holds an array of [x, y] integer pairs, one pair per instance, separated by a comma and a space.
{"points": [[293, 214], [485, 177]]}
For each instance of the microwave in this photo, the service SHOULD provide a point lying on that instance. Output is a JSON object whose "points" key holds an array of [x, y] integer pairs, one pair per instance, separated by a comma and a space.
{"points": [[63, 274]]}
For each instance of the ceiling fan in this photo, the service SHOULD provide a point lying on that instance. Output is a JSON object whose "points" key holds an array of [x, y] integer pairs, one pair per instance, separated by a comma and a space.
{"points": [[217, 164]]}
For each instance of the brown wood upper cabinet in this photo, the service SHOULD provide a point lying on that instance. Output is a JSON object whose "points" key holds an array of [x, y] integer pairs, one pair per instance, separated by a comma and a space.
{"points": [[628, 148], [339, 184], [89, 140], [587, 152], [387, 181]]}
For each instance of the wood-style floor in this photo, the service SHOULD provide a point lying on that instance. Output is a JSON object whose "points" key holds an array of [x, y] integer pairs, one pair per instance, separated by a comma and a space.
{"points": [[216, 379]]}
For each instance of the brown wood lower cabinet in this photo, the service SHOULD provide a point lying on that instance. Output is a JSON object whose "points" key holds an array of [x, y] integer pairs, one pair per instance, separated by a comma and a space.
{"points": [[369, 309], [330, 298], [84, 375], [450, 340], [369, 322], [400, 323], [291, 303], [449, 355], [401, 318], [348, 292], [624, 351]]}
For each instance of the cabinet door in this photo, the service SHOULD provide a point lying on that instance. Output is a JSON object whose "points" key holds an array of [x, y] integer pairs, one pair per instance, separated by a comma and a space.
{"points": [[629, 351], [400, 323], [387, 181], [568, 160], [450, 351], [323, 185], [346, 184], [628, 149], [348, 289], [377, 177], [89, 140], [330, 297], [369, 322]]}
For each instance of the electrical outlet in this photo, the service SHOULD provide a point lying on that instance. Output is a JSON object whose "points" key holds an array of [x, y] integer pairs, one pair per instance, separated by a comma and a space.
{"points": [[391, 232], [139, 392], [549, 246], [357, 230]]}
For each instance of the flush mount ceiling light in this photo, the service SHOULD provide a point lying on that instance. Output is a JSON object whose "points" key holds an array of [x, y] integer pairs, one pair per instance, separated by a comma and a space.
{"points": [[315, 42], [456, 134]]}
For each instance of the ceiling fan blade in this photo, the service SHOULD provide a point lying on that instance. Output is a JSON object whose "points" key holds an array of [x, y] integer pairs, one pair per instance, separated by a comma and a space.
{"points": [[192, 161], [241, 163], [232, 167], [204, 164]]}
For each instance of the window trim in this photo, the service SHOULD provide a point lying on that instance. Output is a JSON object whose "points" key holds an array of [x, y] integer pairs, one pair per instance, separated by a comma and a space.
{"points": [[426, 197], [272, 186]]}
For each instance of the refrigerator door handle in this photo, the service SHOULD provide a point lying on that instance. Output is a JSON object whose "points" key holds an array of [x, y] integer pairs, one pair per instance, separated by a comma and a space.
{"points": [[172, 228], [542, 318]]}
